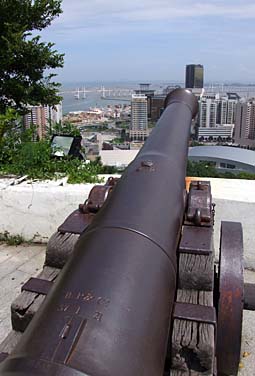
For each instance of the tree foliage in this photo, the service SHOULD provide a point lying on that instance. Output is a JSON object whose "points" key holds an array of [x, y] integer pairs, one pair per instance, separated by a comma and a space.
{"points": [[24, 57], [65, 127], [20, 155], [7, 121], [208, 170], [201, 169]]}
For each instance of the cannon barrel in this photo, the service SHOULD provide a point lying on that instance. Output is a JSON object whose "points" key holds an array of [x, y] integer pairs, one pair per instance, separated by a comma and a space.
{"points": [[109, 312]]}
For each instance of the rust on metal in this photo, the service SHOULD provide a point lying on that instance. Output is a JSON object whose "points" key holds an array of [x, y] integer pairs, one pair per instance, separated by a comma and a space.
{"points": [[112, 181], [199, 211], [76, 222], [97, 197], [196, 240], [231, 296], [195, 312], [146, 165], [80, 219], [37, 285]]}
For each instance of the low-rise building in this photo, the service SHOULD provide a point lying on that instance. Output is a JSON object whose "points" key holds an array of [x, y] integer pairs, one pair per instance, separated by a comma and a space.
{"points": [[225, 158], [217, 133]]}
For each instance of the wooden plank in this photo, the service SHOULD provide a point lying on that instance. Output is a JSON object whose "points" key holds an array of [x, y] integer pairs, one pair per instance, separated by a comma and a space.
{"points": [[193, 343], [27, 303], [196, 272], [193, 348], [59, 248], [10, 342]]}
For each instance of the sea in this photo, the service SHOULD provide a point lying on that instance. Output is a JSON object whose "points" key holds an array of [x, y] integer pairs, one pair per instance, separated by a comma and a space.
{"points": [[103, 94], [115, 94]]}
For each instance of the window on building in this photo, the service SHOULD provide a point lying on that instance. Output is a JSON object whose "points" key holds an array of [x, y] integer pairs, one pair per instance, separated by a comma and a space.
{"points": [[231, 166]]}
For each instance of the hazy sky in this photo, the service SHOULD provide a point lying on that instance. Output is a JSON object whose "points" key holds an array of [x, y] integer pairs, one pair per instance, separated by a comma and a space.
{"points": [[155, 39]]}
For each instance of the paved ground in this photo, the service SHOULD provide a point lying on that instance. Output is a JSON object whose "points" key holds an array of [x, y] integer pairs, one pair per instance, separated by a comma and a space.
{"points": [[18, 264], [247, 364]]}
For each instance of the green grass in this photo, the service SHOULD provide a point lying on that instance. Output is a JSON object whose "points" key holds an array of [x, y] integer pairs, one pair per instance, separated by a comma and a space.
{"points": [[11, 239]]}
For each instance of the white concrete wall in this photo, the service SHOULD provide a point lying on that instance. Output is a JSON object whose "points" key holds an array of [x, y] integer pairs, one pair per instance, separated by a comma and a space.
{"points": [[236, 211], [235, 202], [36, 210]]}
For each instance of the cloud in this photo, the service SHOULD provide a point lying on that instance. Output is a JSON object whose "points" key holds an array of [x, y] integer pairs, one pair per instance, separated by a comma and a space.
{"points": [[104, 17], [78, 12], [177, 31]]}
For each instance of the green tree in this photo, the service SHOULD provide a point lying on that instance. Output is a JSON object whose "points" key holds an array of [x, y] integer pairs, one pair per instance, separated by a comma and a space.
{"points": [[201, 169], [65, 128], [7, 120], [24, 58]]}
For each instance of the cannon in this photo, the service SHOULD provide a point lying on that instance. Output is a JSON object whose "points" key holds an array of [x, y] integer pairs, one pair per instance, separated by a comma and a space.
{"points": [[141, 294]]}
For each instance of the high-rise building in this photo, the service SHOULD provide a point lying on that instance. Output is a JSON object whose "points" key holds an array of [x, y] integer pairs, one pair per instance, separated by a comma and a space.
{"points": [[157, 106], [194, 76], [216, 116], [222, 111], [42, 117], [245, 124], [207, 113], [231, 111], [149, 93], [139, 117], [227, 108]]}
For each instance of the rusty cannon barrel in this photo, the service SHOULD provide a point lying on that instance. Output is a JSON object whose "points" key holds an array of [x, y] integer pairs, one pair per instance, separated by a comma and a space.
{"points": [[109, 312]]}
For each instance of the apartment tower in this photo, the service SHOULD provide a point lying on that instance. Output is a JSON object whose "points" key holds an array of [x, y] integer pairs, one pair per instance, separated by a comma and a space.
{"points": [[139, 117], [245, 124], [42, 117]]}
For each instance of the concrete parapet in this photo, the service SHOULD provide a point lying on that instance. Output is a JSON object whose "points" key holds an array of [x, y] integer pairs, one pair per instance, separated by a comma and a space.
{"points": [[35, 210]]}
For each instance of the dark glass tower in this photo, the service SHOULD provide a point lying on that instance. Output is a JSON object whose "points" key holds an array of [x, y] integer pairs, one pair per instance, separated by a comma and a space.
{"points": [[194, 76]]}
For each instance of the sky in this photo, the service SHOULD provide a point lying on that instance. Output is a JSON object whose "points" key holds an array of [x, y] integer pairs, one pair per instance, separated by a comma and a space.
{"points": [[150, 40]]}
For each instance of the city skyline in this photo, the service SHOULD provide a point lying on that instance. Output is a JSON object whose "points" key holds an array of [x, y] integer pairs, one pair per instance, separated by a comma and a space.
{"points": [[155, 40]]}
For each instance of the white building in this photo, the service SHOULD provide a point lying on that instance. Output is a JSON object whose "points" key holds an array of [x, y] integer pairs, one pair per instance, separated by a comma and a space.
{"points": [[139, 117], [56, 113], [217, 116], [222, 111], [117, 158], [207, 113], [225, 132], [231, 111], [217, 110]]}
